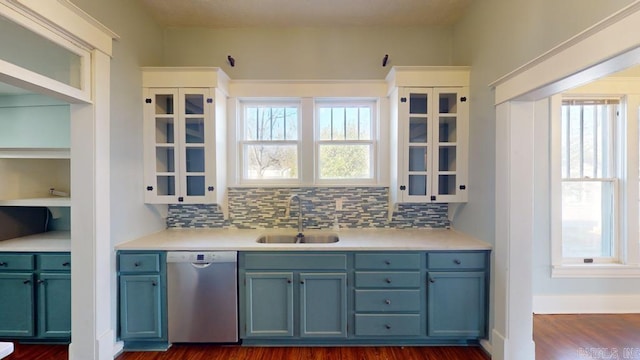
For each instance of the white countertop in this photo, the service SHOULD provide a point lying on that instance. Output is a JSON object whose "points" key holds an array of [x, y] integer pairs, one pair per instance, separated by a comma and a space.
{"points": [[350, 240], [50, 241], [6, 348]]}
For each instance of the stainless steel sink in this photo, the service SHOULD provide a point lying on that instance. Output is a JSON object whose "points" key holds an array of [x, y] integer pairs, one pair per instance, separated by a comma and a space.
{"points": [[293, 239]]}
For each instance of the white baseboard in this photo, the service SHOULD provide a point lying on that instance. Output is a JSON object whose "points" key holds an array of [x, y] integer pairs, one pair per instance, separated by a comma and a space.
{"points": [[498, 345], [486, 345], [586, 304], [118, 348]]}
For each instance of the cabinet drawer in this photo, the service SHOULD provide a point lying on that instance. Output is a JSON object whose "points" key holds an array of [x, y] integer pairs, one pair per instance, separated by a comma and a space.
{"points": [[386, 279], [456, 260], [139, 263], [296, 261], [16, 261], [54, 262], [387, 300], [376, 325], [387, 261]]}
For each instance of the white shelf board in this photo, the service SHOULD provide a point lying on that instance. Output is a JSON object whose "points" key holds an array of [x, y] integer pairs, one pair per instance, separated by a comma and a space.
{"points": [[35, 153], [52, 201]]}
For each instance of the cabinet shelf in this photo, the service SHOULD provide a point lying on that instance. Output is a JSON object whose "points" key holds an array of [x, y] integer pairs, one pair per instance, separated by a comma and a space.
{"points": [[50, 201], [35, 153]]}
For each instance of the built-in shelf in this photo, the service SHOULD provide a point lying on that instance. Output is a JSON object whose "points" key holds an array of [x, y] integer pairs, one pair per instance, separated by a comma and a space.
{"points": [[35, 153], [52, 201]]}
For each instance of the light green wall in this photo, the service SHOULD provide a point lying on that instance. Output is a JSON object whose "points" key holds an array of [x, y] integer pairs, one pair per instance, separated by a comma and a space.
{"points": [[496, 37], [33, 121], [308, 53]]}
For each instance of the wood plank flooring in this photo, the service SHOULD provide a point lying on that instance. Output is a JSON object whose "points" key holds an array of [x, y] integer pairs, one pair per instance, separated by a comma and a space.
{"points": [[557, 337]]}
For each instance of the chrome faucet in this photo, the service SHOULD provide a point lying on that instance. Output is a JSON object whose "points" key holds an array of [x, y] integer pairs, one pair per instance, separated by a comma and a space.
{"points": [[288, 212]]}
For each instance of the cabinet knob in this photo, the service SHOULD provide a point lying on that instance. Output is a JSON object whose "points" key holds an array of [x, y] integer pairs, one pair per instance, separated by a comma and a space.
{"points": [[154, 284], [387, 262], [457, 262], [180, 199], [301, 282], [149, 188], [66, 263], [2, 263], [463, 99], [387, 280], [210, 188], [26, 282], [136, 264], [387, 301], [431, 280], [40, 282], [403, 188], [387, 326], [288, 281], [463, 187], [433, 198]]}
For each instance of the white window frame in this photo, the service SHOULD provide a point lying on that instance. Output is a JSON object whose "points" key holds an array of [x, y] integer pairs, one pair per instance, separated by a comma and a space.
{"points": [[372, 142], [307, 144], [626, 262], [241, 141]]}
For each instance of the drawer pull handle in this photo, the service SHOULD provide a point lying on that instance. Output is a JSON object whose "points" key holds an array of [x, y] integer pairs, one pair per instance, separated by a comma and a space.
{"points": [[26, 282], [387, 280], [301, 282], [387, 326], [387, 262], [136, 264], [66, 263], [387, 301], [457, 262], [288, 281], [154, 283], [40, 282], [431, 280], [2, 263]]}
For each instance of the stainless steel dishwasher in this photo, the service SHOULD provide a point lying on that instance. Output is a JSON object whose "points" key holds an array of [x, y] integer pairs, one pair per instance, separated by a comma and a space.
{"points": [[202, 296]]}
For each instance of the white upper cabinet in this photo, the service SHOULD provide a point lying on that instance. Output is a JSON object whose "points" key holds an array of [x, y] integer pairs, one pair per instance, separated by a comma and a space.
{"points": [[429, 129], [184, 139]]}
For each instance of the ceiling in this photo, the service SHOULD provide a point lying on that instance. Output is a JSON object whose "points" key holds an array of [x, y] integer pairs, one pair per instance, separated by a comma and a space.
{"points": [[308, 13]]}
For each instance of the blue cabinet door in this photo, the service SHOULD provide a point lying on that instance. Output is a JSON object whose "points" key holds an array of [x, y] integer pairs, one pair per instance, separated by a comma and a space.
{"points": [[54, 305], [16, 305], [323, 305], [140, 307], [269, 304], [456, 304]]}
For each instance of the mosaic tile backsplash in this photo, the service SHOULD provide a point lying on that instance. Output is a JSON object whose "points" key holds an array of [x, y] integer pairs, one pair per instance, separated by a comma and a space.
{"points": [[257, 208]]}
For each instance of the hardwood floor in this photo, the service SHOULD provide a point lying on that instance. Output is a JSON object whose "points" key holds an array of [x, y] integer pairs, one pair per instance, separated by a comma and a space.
{"points": [[557, 337], [587, 336]]}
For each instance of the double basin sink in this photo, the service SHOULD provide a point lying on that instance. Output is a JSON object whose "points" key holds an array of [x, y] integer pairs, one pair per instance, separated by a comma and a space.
{"points": [[321, 238]]}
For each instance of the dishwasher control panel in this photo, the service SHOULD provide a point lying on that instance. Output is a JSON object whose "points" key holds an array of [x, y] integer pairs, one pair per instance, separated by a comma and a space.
{"points": [[204, 257]]}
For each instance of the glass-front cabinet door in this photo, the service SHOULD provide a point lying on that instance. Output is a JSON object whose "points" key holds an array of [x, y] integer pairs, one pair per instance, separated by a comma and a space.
{"points": [[433, 136], [179, 134]]}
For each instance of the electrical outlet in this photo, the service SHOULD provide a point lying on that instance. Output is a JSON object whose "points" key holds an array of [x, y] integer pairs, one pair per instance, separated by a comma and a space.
{"points": [[339, 204]]}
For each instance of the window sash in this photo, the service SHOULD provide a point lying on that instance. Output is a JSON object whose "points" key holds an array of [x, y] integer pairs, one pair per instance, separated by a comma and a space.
{"points": [[592, 161]]}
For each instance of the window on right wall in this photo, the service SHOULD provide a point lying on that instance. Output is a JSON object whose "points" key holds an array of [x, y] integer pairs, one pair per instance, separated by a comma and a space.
{"points": [[590, 168]]}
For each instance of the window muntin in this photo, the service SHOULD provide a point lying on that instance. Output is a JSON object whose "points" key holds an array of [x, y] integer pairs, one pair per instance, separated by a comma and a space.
{"points": [[345, 133], [589, 182], [270, 141]]}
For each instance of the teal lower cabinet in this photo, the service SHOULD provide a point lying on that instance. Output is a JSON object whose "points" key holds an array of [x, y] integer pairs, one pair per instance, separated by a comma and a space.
{"points": [[363, 298], [286, 297], [457, 292], [17, 313], [35, 297], [142, 300], [456, 304], [269, 304]]}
